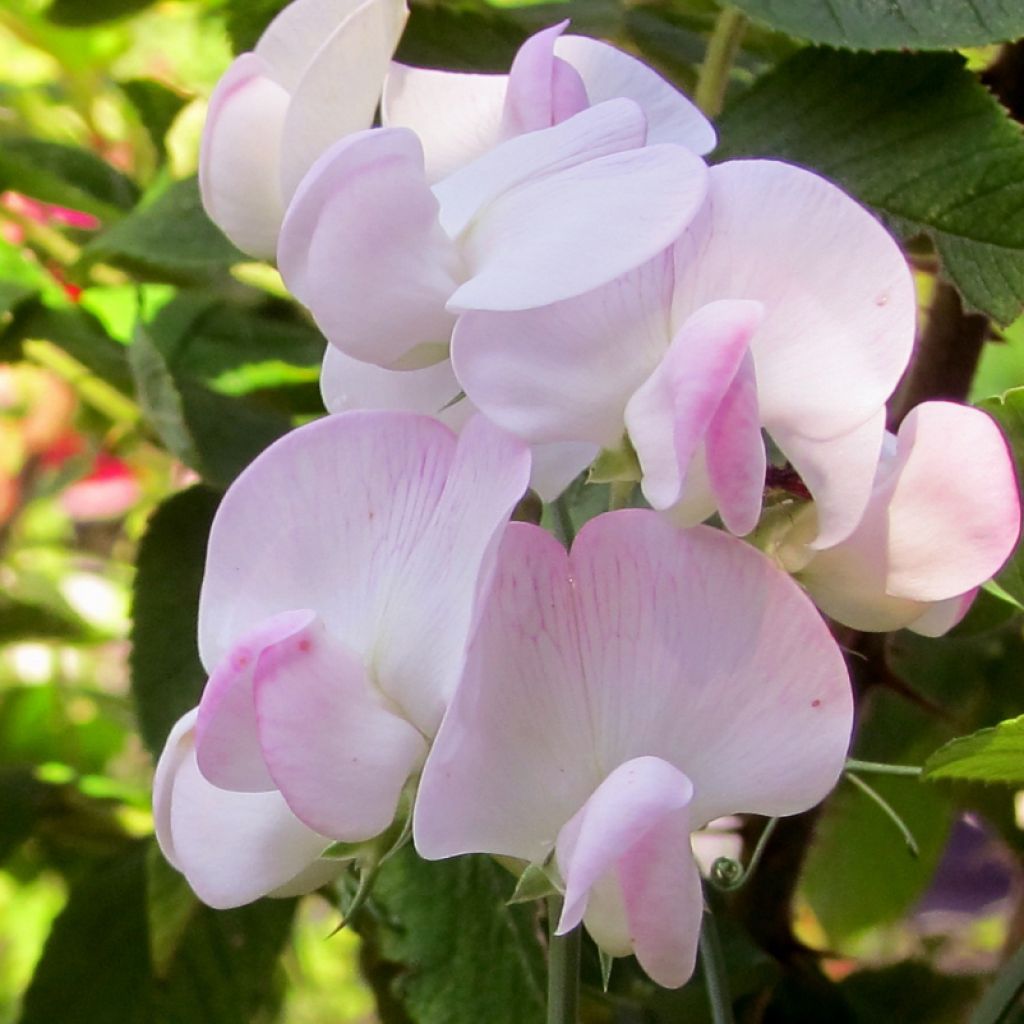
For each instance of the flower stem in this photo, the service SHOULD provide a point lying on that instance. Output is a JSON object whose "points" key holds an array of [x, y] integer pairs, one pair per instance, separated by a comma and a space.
{"points": [[563, 969], [889, 811], [879, 768], [713, 965], [714, 72]]}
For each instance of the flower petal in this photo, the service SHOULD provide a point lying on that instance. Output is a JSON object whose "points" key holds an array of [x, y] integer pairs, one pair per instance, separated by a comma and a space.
{"points": [[671, 411], [633, 834], [565, 372], [350, 63], [240, 183], [456, 115], [942, 616], [232, 847], [227, 743], [362, 248], [339, 757], [608, 72], [556, 465], [838, 295]]}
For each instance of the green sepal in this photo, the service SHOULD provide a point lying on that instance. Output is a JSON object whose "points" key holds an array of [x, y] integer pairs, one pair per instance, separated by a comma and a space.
{"points": [[615, 464]]}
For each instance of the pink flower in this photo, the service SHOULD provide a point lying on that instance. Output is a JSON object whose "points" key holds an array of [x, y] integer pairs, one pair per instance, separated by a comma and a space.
{"points": [[616, 700], [943, 517], [783, 305], [340, 591]]}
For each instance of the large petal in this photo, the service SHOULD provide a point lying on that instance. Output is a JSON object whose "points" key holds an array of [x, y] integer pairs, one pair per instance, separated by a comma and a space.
{"points": [[227, 743], [632, 835], [565, 372], [556, 465], [340, 87], [240, 181], [338, 755], [456, 115], [838, 295], [670, 413], [569, 232], [608, 72], [232, 847], [954, 513], [362, 248]]}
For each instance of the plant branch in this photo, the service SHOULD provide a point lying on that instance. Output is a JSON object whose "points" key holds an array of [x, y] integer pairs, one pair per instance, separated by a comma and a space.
{"points": [[713, 966], [563, 969], [723, 46]]}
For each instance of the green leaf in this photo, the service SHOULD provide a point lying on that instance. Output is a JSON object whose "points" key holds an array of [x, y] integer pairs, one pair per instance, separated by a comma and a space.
{"points": [[93, 12], [892, 24], [447, 950], [1008, 411], [246, 20], [463, 39], [910, 992], [988, 755], [64, 175], [96, 969], [167, 675], [917, 138], [170, 239], [157, 107], [170, 907]]}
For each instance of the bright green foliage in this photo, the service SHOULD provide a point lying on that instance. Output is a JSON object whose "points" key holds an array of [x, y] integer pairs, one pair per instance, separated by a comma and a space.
{"points": [[893, 24], [989, 755], [917, 138], [157, 107]]}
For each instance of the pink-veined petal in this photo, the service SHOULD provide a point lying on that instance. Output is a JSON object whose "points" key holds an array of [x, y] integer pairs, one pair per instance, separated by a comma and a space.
{"points": [[954, 512], [736, 458], [671, 411], [839, 474], [608, 72], [942, 616], [542, 89], [227, 743], [567, 233], [238, 180], [232, 847], [565, 372], [838, 295], [340, 88], [456, 115], [339, 757], [362, 248]]}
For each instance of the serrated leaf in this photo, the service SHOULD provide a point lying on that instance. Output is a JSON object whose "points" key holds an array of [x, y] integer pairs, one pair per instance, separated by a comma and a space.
{"points": [[1008, 412], [988, 755], [892, 24], [170, 239], [166, 673], [65, 175], [917, 138]]}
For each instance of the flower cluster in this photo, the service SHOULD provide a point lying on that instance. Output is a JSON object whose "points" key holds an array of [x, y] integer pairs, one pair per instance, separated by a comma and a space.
{"points": [[517, 275]]}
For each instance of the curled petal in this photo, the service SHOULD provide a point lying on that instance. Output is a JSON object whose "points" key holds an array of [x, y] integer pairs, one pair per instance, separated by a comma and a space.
{"points": [[608, 72]]}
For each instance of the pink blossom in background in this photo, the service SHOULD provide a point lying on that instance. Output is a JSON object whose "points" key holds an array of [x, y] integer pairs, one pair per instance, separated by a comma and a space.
{"points": [[943, 517], [783, 306], [618, 699], [340, 590]]}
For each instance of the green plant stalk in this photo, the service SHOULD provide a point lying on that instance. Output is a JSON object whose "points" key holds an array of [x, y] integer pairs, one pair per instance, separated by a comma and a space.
{"points": [[723, 46], [1003, 994], [563, 969], [889, 811], [880, 768], [713, 966]]}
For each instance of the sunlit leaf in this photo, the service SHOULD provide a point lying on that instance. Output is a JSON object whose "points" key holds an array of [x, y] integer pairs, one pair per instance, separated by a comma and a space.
{"points": [[989, 755]]}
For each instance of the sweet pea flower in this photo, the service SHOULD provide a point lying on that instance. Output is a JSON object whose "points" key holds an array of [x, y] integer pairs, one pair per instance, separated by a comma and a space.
{"points": [[385, 261], [783, 305], [341, 587], [618, 698], [943, 517], [315, 75]]}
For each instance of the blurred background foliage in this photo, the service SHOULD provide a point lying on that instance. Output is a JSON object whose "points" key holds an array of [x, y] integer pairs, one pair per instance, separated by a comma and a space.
{"points": [[144, 362]]}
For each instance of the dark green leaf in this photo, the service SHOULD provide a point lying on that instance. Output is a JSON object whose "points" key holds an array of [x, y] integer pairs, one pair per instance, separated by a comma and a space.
{"points": [[989, 755], [447, 949], [20, 620], [463, 39], [157, 107], [170, 239], [92, 12], [909, 992], [167, 676], [246, 20], [893, 24], [65, 175], [914, 136], [23, 798], [1008, 412]]}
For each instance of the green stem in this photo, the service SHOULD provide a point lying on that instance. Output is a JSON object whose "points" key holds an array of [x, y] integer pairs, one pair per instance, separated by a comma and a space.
{"points": [[563, 969], [713, 965], [1004, 993], [879, 768], [722, 49], [745, 873]]}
